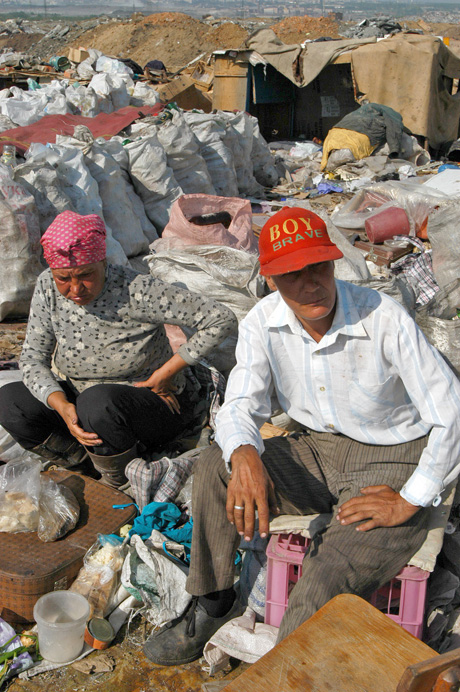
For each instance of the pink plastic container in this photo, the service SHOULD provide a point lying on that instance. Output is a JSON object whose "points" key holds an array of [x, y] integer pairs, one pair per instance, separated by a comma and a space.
{"points": [[386, 224], [402, 599]]}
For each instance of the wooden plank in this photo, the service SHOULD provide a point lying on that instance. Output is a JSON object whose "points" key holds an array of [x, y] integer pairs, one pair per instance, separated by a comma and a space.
{"points": [[348, 645], [422, 676]]}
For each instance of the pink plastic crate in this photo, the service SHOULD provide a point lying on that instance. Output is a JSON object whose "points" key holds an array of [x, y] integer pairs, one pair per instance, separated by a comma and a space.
{"points": [[402, 599]]}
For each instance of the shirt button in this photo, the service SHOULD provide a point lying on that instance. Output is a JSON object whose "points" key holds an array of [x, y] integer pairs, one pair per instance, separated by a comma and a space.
{"points": [[322, 389]]}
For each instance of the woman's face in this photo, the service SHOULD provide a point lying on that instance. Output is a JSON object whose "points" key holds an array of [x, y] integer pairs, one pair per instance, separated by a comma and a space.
{"points": [[80, 284]]}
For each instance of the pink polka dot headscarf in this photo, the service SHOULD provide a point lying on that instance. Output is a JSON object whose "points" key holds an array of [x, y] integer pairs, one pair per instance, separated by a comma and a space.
{"points": [[72, 240]]}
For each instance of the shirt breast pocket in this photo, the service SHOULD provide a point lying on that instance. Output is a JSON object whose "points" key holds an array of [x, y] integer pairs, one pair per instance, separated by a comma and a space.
{"points": [[372, 401]]}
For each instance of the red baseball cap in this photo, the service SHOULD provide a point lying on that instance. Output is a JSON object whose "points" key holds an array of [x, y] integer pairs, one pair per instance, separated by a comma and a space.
{"points": [[293, 238]]}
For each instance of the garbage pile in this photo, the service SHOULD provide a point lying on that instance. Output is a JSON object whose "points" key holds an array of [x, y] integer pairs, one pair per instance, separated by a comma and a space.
{"points": [[183, 194], [379, 27]]}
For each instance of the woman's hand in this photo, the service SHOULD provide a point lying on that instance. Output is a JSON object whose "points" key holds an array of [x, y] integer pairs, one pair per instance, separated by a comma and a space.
{"points": [[164, 387], [162, 381], [59, 402]]}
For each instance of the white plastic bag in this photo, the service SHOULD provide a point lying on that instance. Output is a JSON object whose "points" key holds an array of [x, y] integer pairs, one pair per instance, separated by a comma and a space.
{"points": [[43, 181], [99, 578], [19, 496], [59, 510], [116, 149], [263, 163], [112, 87]]}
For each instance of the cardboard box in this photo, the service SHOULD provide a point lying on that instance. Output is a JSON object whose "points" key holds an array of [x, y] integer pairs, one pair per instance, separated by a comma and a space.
{"points": [[169, 91], [202, 76], [183, 91], [77, 55]]}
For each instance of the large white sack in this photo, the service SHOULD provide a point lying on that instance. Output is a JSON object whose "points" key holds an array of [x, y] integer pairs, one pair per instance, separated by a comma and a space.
{"points": [[210, 132], [144, 95], [112, 66], [24, 112], [153, 179], [57, 105], [82, 101], [116, 205], [43, 181], [115, 148], [6, 123], [85, 69], [113, 87], [19, 246], [225, 274], [239, 138], [263, 164], [228, 275], [183, 154], [83, 191]]}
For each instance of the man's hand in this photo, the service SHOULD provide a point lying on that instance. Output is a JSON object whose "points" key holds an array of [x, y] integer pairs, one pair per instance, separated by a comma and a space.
{"points": [[250, 487], [381, 505], [68, 413]]}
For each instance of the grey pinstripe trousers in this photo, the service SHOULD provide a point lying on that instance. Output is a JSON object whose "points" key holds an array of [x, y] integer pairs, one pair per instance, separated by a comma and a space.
{"points": [[312, 472]]}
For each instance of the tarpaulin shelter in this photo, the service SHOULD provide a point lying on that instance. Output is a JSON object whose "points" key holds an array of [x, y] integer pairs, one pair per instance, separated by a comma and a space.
{"points": [[313, 86]]}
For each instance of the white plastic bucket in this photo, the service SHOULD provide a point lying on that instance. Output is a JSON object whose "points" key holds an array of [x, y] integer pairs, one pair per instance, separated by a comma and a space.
{"points": [[61, 619]]}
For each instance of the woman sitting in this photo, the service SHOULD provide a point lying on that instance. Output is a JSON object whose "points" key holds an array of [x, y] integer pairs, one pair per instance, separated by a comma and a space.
{"points": [[98, 369]]}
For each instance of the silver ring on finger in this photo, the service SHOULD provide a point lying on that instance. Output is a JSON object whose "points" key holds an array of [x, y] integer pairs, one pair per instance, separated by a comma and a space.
{"points": [[238, 507]]}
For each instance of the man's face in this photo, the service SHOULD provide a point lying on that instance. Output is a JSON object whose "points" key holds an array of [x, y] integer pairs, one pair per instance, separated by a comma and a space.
{"points": [[310, 293], [80, 284]]}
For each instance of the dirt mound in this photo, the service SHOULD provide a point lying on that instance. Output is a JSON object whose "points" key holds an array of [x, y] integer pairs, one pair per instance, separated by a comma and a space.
{"points": [[173, 37], [297, 29], [228, 35]]}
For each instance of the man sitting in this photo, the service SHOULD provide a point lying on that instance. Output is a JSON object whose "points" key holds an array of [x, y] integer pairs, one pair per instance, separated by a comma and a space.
{"points": [[379, 409]]}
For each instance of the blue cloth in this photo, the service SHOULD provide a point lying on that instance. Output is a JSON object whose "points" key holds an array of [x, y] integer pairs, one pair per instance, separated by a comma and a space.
{"points": [[325, 188], [446, 166], [164, 517]]}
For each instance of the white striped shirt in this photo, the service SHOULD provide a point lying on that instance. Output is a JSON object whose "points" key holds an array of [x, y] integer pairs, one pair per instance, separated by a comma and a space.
{"points": [[373, 377]]}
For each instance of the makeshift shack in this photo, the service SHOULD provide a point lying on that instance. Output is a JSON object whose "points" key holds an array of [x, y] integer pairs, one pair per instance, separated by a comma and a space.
{"points": [[313, 86]]}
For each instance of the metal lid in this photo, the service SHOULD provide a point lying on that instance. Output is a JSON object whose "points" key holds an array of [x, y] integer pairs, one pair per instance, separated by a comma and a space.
{"points": [[101, 629]]}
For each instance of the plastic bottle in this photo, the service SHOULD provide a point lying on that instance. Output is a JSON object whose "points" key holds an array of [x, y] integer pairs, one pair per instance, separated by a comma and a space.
{"points": [[9, 155]]}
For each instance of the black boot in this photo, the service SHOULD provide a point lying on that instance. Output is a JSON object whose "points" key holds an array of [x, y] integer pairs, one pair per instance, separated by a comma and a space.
{"points": [[64, 450], [182, 640], [112, 468]]}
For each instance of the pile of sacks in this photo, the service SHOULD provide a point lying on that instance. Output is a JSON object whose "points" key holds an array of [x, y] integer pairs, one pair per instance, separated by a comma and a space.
{"points": [[111, 87], [131, 181]]}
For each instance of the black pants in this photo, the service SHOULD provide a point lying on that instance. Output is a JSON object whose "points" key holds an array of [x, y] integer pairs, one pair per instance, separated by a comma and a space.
{"points": [[120, 415]]}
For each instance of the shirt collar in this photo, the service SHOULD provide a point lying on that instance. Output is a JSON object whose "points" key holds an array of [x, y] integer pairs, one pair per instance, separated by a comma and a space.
{"points": [[347, 319]]}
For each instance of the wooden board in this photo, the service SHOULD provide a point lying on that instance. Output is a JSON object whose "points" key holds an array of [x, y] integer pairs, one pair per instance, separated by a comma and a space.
{"points": [[347, 646]]}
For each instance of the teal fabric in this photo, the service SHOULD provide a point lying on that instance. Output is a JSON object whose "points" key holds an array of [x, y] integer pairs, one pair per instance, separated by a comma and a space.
{"points": [[164, 517]]}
